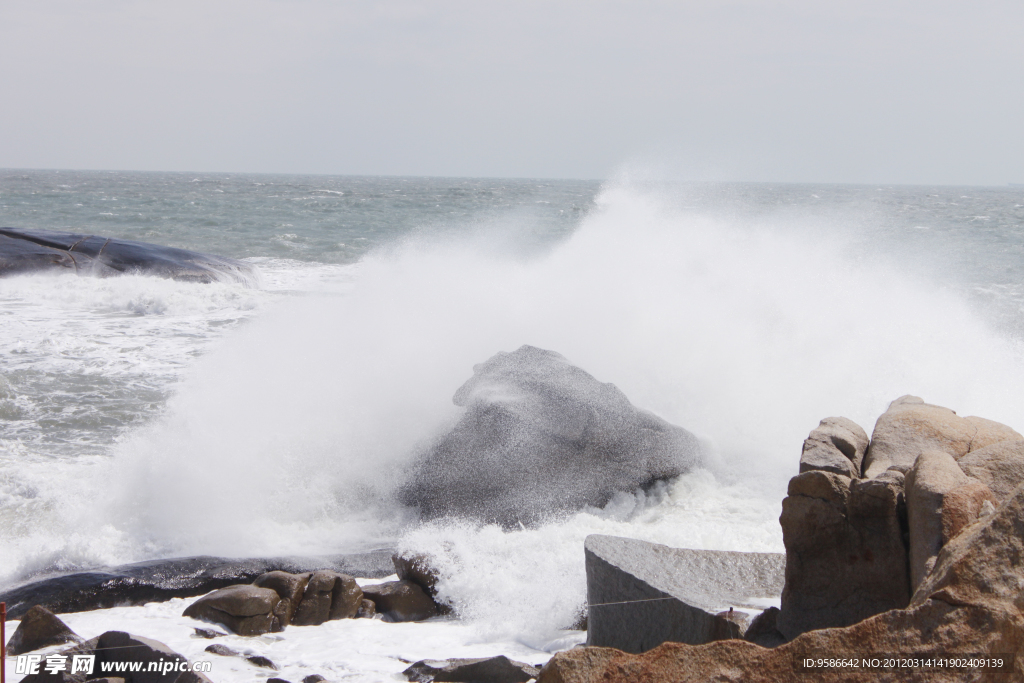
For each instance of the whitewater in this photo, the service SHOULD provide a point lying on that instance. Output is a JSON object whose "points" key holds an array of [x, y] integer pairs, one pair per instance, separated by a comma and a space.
{"points": [[144, 418]]}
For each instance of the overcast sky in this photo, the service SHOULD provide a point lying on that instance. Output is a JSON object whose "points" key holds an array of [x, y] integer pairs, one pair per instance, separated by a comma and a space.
{"points": [[795, 90]]}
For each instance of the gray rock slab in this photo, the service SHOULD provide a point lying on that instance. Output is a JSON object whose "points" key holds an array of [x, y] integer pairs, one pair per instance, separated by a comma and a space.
{"points": [[642, 594]]}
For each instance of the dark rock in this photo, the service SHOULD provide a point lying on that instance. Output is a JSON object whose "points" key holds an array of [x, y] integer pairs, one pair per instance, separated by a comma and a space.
{"points": [[261, 661], [763, 630], [208, 633], [416, 568], [539, 437], [835, 445], [367, 609], [247, 610], [222, 650], [117, 647], [161, 580], [401, 601], [39, 628], [289, 587], [845, 554], [498, 669], [23, 251], [313, 678], [328, 596], [277, 680], [642, 594]]}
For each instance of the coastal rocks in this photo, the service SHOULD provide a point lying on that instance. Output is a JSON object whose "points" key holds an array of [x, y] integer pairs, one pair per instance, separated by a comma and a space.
{"points": [[845, 555], [910, 427], [328, 596], [999, 466], [123, 652], [246, 610], [416, 568], [289, 587], [969, 604], [540, 436], [26, 251], [401, 601], [837, 445], [498, 669], [161, 580], [941, 501], [642, 594], [39, 628]]}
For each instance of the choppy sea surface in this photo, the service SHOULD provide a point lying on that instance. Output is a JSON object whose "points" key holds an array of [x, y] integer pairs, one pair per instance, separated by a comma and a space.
{"points": [[144, 418]]}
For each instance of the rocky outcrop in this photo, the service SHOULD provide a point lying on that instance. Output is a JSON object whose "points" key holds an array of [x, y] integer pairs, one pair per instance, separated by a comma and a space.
{"points": [[539, 436], [641, 594], [289, 587], [910, 427], [161, 580], [401, 601], [416, 568], [39, 628], [118, 647], [328, 596], [27, 251], [969, 604], [836, 445], [498, 669], [845, 555], [246, 610], [941, 501], [999, 466]]}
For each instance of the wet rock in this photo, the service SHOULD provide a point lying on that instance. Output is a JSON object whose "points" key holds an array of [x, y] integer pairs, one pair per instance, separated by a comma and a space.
{"points": [[246, 610], [328, 596], [313, 678], [39, 628], [261, 661], [416, 568], [836, 445], [367, 609], [539, 437], [401, 601], [222, 650], [289, 587], [845, 554], [498, 669], [161, 580], [998, 466], [910, 427], [208, 633], [941, 501], [641, 594], [277, 680], [24, 251]]}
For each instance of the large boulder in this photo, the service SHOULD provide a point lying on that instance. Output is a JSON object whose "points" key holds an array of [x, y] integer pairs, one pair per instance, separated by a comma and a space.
{"points": [[289, 587], [642, 594], [401, 601], [941, 501], [999, 466], [185, 577], [540, 436], [39, 628], [835, 445], [498, 669], [910, 427], [121, 653], [328, 596], [24, 251], [247, 610], [845, 554]]}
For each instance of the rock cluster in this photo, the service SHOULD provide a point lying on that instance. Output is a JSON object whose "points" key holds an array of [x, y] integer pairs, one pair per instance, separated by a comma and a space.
{"points": [[540, 436], [278, 599], [909, 544]]}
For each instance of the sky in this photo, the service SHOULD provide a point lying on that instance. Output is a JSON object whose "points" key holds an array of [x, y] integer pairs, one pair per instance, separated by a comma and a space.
{"points": [[893, 91]]}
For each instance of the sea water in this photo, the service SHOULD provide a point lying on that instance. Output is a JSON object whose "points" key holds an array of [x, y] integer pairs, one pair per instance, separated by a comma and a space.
{"points": [[143, 418]]}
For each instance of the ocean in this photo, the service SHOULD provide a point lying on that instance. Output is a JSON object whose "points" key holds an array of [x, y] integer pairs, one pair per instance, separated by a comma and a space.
{"points": [[143, 418]]}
